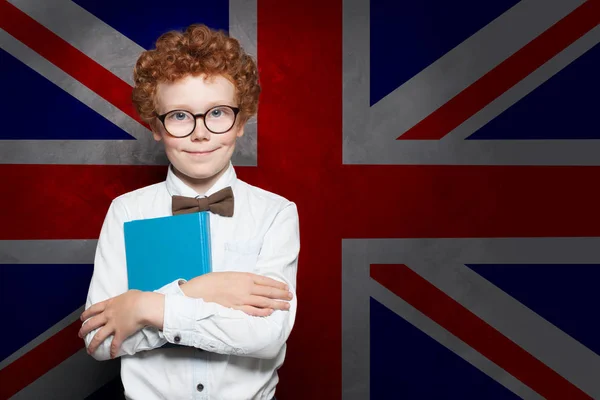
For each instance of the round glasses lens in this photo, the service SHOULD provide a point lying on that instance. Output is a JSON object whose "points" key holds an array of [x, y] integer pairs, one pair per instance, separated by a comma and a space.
{"points": [[179, 123], [219, 119]]}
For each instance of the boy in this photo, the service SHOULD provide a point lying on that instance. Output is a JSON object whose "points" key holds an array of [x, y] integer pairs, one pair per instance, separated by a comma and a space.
{"points": [[228, 328]]}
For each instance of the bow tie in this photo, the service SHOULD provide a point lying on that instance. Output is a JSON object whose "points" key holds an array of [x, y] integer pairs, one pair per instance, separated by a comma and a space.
{"points": [[220, 203]]}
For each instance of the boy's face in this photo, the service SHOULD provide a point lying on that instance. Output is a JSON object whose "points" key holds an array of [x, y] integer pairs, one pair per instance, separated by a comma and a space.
{"points": [[203, 154]]}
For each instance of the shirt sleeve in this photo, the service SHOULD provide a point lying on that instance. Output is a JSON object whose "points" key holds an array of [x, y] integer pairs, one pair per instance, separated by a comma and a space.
{"points": [[218, 329], [110, 279]]}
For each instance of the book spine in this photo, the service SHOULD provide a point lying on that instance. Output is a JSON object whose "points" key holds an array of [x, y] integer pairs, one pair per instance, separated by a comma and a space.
{"points": [[204, 220]]}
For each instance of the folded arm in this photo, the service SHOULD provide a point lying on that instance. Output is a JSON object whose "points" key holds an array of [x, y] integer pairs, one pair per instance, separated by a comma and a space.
{"points": [[213, 327], [192, 314]]}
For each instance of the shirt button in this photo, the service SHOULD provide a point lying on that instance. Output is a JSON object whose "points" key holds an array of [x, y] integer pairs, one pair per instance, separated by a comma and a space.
{"points": [[200, 387], [177, 339]]}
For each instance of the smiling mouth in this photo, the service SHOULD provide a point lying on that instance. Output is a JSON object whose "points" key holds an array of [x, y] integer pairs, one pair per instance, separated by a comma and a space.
{"points": [[199, 153]]}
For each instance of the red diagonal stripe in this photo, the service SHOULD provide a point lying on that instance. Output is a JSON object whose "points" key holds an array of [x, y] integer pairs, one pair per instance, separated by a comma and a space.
{"points": [[455, 318], [515, 68], [47, 355], [66, 57]]}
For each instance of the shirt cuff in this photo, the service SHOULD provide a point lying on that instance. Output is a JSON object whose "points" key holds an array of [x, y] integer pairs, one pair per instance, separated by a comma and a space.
{"points": [[180, 325], [172, 288]]}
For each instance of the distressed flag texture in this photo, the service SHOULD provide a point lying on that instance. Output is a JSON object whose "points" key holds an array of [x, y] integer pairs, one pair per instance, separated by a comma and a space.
{"points": [[444, 159]]}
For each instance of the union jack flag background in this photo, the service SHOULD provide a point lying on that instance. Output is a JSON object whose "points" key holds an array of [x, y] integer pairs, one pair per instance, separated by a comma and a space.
{"points": [[444, 157]]}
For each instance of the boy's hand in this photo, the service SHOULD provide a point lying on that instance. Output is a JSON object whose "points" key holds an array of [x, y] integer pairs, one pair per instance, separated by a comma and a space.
{"points": [[120, 316], [253, 294]]}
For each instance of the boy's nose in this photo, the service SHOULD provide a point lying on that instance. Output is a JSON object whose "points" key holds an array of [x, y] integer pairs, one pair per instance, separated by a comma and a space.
{"points": [[200, 132]]}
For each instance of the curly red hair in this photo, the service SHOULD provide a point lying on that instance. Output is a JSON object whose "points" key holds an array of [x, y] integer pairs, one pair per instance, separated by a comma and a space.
{"points": [[195, 51]]}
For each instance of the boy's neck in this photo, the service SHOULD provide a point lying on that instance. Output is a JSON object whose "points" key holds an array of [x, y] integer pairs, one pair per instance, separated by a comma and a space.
{"points": [[200, 186]]}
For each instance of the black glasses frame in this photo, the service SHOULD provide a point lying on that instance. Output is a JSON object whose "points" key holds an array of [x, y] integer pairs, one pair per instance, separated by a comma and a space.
{"points": [[161, 118]]}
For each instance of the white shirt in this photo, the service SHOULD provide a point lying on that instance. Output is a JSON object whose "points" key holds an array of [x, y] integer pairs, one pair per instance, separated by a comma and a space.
{"points": [[222, 353]]}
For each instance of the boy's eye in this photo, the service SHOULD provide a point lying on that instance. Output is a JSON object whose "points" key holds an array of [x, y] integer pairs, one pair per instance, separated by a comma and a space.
{"points": [[221, 113], [179, 116]]}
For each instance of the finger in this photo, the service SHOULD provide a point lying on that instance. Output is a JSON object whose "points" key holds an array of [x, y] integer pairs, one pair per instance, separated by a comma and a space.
{"points": [[91, 324], [280, 305], [257, 301], [115, 345], [263, 280], [99, 337], [93, 310], [256, 312], [271, 292], [263, 302]]}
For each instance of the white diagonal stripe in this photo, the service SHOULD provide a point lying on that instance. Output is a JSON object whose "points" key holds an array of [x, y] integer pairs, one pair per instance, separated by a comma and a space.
{"points": [[118, 54], [441, 262], [141, 151], [448, 340], [465, 64], [46, 252], [523, 326], [70, 85], [525, 86], [90, 35], [77, 377], [53, 330], [369, 134], [358, 288]]}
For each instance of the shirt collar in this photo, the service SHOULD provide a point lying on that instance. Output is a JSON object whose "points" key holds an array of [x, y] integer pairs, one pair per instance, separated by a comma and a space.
{"points": [[176, 187]]}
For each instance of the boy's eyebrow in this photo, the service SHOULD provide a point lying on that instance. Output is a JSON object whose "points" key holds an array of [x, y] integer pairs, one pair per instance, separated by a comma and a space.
{"points": [[208, 105]]}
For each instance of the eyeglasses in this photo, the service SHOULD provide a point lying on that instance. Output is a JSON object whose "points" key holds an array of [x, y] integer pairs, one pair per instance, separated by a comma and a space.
{"points": [[181, 123]]}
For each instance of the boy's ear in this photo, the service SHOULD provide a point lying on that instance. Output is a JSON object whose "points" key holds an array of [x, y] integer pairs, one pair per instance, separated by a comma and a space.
{"points": [[156, 134], [240, 132], [242, 125]]}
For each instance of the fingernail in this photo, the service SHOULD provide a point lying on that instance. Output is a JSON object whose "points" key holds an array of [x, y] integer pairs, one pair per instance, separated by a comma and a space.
{"points": [[286, 287], [290, 295], [287, 306]]}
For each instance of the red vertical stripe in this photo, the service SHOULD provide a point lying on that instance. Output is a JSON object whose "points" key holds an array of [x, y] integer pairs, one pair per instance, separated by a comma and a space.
{"points": [[300, 157]]}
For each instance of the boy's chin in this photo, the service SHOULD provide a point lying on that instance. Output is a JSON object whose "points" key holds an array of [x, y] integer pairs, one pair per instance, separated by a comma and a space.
{"points": [[199, 173]]}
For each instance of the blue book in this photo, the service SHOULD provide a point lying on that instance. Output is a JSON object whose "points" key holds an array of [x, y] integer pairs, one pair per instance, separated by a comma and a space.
{"points": [[161, 250]]}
